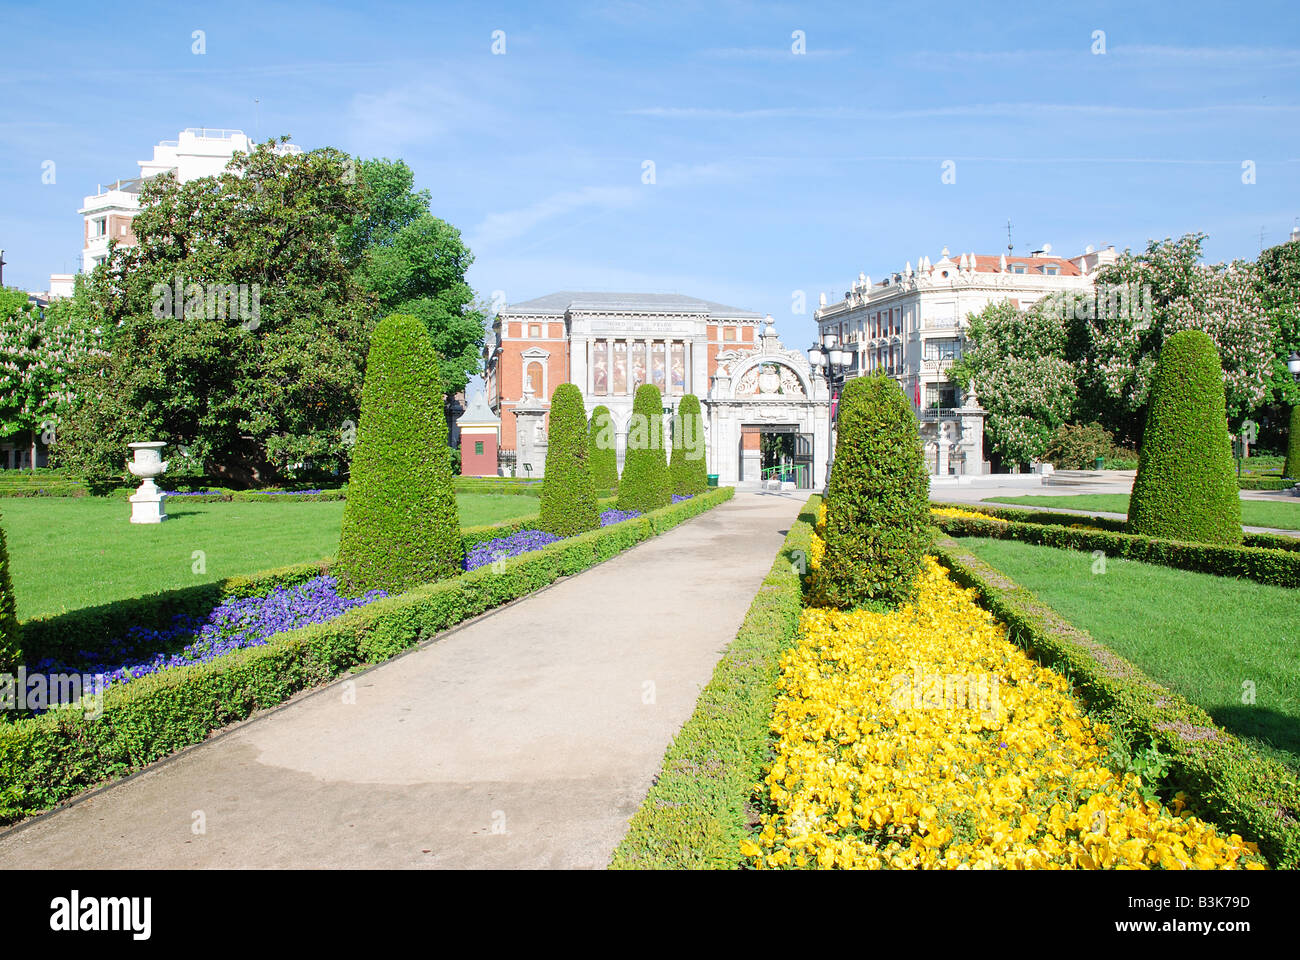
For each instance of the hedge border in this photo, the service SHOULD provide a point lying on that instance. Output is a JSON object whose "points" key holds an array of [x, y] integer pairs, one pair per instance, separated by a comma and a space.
{"points": [[64, 634], [47, 759], [1229, 782], [1015, 514], [697, 811], [1267, 565]]}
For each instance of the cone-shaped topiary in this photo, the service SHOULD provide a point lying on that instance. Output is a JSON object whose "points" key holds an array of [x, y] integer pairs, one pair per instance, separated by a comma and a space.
{"points": [[602, 450], [690, 474], [645, 484], [1185, 487], [1292, 467], [401, 526], [568, 493], [877, 502], [11, 654]]}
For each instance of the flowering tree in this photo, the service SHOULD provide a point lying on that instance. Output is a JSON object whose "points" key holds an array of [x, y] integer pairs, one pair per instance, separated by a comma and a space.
{"points": [[1117, 350], [37, 351], [1015, 361]]}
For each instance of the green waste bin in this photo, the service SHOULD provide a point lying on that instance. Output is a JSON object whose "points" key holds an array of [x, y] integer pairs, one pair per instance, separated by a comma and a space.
{"points": [[1099, 463], [713, 479]]}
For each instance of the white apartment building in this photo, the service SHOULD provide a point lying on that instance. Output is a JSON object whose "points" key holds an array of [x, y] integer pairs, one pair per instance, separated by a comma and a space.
{"points": [[196, 152], [910, 325]]}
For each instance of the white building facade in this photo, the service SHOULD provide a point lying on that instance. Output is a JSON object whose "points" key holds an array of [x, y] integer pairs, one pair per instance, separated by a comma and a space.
{"points": [[196, 152], [911, 326]]}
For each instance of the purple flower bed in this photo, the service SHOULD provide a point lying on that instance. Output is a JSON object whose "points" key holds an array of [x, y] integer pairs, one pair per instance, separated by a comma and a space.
{"points": [[679, 497], [525, 541], [191, 493], [235, 624], [281, 493], [617, 516]]}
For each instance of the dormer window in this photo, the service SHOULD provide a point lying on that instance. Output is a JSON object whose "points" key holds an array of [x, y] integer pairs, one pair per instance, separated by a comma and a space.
{"points": [[1051, 271], [1017, 268]]}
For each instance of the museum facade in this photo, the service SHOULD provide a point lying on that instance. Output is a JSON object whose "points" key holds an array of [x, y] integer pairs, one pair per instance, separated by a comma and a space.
{"points": [[609, 344]]}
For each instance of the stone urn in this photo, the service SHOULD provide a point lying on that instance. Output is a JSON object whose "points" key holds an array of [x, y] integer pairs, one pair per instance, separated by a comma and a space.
{"points": [[147, 502]]}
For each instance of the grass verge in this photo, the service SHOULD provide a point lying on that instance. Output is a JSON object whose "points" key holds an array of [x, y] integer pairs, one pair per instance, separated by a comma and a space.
{"points": [[1254, 513]]}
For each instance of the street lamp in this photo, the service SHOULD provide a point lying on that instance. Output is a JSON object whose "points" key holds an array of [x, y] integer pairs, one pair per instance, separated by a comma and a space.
{"points": [[1293, 364], [834, 360]]}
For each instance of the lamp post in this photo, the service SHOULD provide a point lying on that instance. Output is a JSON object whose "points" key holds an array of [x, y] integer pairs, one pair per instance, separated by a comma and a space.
{"points": [[832, 360]]}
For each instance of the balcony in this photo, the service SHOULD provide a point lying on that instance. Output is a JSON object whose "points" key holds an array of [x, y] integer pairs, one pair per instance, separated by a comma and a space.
{"points": [[939, 413]]}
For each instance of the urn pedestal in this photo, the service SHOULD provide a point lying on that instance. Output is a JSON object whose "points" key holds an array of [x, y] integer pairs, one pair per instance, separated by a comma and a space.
{"points": [[147, 503]]}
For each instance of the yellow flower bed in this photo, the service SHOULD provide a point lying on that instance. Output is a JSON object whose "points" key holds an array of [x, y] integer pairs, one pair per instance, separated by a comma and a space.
{"points": [[924, 738], [963, 514]]}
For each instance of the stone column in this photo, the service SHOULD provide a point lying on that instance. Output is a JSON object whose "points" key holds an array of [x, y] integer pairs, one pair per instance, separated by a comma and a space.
{"points": [[627, 383]]}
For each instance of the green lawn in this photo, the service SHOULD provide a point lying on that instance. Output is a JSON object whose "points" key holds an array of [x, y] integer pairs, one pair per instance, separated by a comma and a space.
{"points": [[1254, 513], [1200, 635], [70, 553]]}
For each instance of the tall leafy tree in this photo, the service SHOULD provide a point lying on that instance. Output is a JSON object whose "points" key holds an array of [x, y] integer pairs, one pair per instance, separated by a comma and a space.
{"points": [[37, 353], [1015, 362], [253, 387], [415, 264]]}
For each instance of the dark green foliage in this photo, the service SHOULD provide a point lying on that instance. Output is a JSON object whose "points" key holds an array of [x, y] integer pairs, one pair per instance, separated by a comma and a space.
{"points": [[1076, 446], [568, 493], [699, 808], [1227, 782], [1292, 467], [10, 641], [878, 501], [688, 470], [645, 484], [46, 759], [401, 526], [1186, 488], [602, 450]]}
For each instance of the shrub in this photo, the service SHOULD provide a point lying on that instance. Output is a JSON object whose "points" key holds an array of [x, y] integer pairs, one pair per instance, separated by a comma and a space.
{"points": [[877, 503], [1076, 446], [10, 640], [400, 526], [601, 450], [568, 493], [1292, 467], [688, 469], [1186, 488], [645, 483]]}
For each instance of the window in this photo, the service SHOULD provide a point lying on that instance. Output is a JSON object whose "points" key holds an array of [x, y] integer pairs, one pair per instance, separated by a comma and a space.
{"points": [[478, 448], [942, 349], [535, 330], [1051, 271], [100, 227], [728, 333], [1017, 268]]}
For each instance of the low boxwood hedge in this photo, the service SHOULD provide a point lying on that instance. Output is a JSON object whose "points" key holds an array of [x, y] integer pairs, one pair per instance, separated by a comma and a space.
{"points": [[1275, 541], [698, 810], [85, 631], [1264, 483], [1263, 564], [1227, 782], [46, 759]]}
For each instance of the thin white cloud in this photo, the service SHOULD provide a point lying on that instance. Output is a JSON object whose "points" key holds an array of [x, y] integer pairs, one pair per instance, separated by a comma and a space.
{"points": [[956, 110], [498, 228]]}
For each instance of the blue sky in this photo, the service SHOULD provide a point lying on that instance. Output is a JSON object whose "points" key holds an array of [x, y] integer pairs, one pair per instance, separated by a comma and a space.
{"points": [[775, 172]]}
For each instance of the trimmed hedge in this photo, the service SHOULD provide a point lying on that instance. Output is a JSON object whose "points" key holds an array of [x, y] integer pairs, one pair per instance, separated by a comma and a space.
{"points": [[699, 808], [1186, 488], [1228, 782], [1280, 568], [688, 470], [568, 494], [877, 501], [46, 759], [11, 648], [1292, 466], [602, 449], [400, 525], [522, 488], [1264, 483], [645, 484], [1272, 541]]}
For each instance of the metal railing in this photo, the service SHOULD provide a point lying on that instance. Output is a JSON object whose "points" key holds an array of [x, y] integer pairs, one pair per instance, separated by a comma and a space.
{"points": [[797, 473]]}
